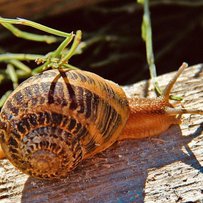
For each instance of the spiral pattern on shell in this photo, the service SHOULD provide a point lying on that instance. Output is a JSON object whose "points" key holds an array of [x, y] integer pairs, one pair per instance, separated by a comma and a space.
{"points": [[57, 118]]}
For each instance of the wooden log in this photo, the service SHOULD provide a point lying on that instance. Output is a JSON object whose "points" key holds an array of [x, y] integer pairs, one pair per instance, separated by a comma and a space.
{"points": [[166, 168], [35, 9]]}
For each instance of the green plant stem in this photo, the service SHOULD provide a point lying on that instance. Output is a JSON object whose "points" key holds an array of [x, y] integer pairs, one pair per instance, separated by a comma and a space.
{"points": [[40, 68], [74, 46], [12, 74], [30, 36], [35, 25], [56, 59], [22, 75], [21, 57], [20, 65], [147, 37], [62, 46], [52, 57]]}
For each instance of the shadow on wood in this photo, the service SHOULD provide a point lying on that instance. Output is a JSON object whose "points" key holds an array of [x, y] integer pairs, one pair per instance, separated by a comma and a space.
{"points": [[117, 175]]}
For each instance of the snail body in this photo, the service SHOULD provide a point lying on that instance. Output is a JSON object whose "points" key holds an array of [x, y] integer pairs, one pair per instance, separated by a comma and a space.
{"points": [[54, 120]]}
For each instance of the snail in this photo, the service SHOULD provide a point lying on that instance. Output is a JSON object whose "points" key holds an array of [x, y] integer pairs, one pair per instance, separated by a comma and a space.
{"points": [[54, 120]]}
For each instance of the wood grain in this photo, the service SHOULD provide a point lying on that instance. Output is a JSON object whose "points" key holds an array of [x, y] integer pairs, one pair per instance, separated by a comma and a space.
{"points": [[167, 168]]}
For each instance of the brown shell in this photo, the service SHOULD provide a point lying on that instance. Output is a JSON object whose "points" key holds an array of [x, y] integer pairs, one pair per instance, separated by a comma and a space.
{"points": [[58, 118]]}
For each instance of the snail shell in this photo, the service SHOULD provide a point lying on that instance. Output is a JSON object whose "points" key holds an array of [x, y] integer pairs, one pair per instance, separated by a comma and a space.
{"points": [[58, 118]]}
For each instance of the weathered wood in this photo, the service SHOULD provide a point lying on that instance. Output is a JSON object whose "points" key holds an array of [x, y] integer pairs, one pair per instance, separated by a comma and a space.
{"points": [[167, 168]]}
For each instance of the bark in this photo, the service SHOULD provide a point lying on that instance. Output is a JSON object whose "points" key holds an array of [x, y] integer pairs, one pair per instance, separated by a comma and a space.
{"points": [[167, 168]]}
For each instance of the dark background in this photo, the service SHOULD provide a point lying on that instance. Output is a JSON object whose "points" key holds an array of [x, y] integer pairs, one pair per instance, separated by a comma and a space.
{"points": [[119, 54]]}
